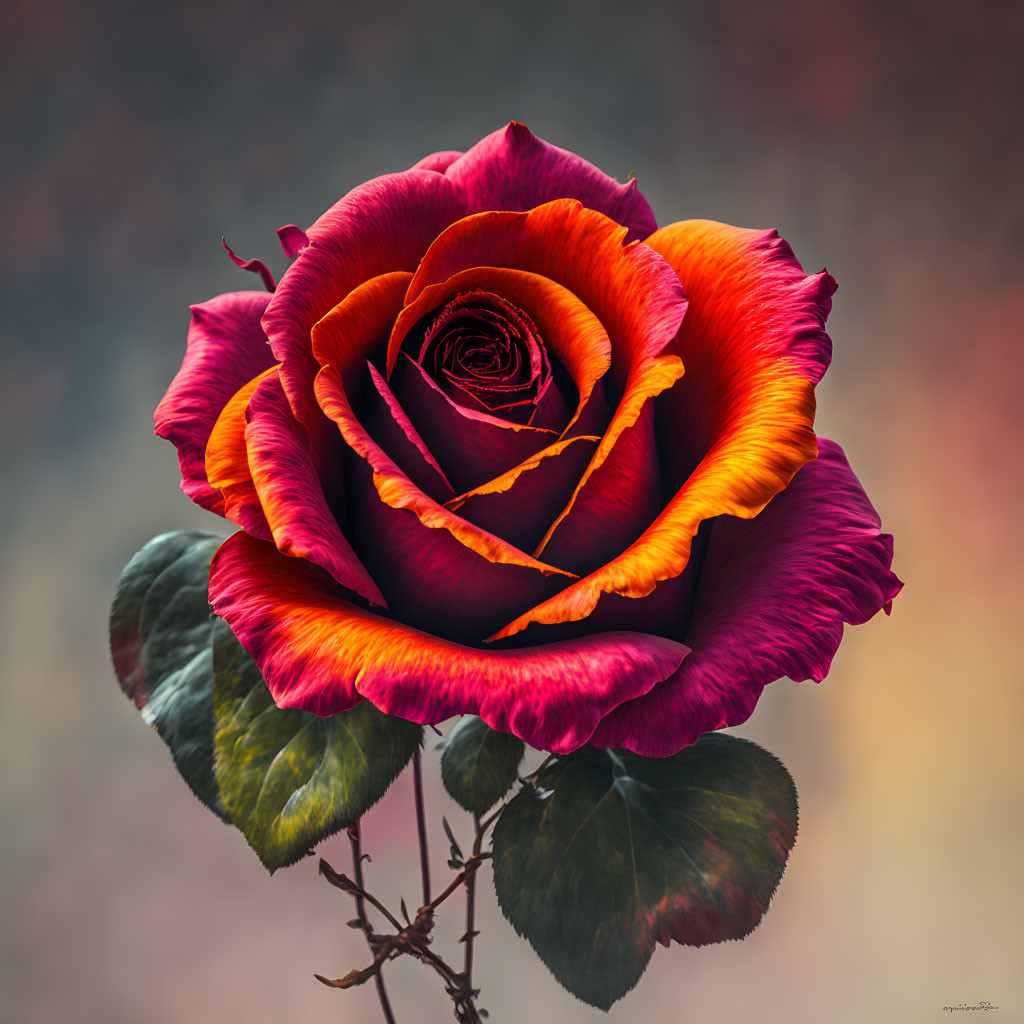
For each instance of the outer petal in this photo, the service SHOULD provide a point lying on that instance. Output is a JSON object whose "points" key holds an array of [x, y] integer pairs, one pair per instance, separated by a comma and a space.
{"points": [[226, 348], [740, 424], [319, 652], [755, 329], [291, 494], [772, 599], [512, 169], [439, 162], [227, 462], [382, 226]]}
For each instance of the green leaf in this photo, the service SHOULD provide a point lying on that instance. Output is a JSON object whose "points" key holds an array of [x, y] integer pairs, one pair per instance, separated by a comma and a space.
{"points": [[609, 853], [478, 764], [160, 632], [287, 778], [290, 778]]}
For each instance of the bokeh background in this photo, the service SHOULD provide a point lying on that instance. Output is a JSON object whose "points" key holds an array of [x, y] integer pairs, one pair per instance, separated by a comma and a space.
{"points": [[882, 138]]}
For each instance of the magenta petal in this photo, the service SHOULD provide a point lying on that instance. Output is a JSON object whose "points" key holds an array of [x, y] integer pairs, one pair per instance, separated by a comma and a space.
{"points": [[471, 447], [292, 238], [382, 226], [253, 266], [773, 596], [512, 169], [291, 494], [439, 162], [226, 348], [319, 652]]}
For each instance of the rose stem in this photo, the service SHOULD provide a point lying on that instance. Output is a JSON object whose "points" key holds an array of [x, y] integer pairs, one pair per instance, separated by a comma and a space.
{"points": [[421, 824], [471, 906], [357, 870]]}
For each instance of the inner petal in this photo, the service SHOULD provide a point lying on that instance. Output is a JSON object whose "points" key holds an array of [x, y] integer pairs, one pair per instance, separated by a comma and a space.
{"points": [[485, 354]]}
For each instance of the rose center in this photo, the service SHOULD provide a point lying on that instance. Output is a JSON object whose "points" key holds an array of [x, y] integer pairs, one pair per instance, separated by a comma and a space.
{"points": [[486, 354]]}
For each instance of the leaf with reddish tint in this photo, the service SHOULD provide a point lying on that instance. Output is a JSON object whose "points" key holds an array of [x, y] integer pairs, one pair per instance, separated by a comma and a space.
{"points": [[609, 853], [160, 632]]}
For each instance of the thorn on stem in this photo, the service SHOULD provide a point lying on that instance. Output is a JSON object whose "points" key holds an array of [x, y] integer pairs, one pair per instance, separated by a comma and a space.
{"points": [[354, 977], [457, 858]]}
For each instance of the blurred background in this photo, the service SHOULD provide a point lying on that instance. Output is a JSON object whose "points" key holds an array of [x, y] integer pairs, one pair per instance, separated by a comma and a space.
{"points": [[882, 139]]}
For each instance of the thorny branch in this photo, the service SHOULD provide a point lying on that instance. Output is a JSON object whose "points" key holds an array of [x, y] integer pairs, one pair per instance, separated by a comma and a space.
{"points": [[362, 921], [414, 938]]}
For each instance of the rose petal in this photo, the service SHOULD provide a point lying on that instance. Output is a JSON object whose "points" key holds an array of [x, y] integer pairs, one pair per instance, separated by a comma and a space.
{"points": [[227, 462], [226, 348], [291, 494], [398, 491], [571, 331], [341, 341], [634, 293], [551, 410], [392, 428], [253, 266], [741, 421], [609, 507], [666, 611], [319, 652], [512, 169], [344, 338], [439, 162], [382, 226], [431, 580], [347, 334], [772, 599], [519, 504], [292, 238], [471, 445], [755, 329]]}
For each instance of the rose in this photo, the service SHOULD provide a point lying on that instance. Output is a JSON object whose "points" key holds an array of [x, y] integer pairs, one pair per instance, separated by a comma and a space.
{"points": [[512, 450]]}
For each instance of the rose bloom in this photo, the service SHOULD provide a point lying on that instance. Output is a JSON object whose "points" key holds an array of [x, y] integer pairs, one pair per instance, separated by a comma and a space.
{"points": [[498, 444]]}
